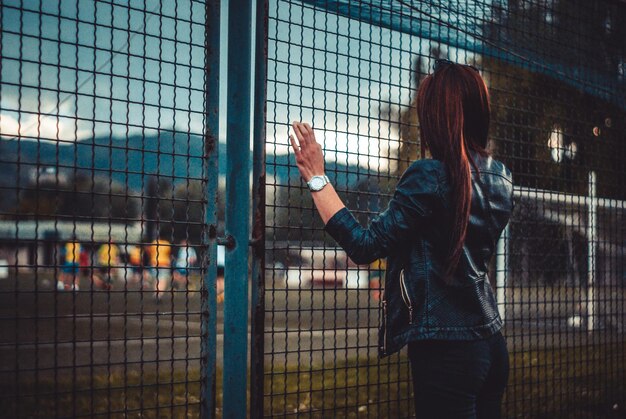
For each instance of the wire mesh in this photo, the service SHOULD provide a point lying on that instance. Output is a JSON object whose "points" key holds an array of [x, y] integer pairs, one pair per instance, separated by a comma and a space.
{"points": [[556, 74], [102, 114]]}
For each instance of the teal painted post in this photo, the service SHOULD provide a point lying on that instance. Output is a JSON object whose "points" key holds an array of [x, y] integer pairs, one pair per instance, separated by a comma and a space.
{"points": [[236, 275], [211, 143], [257, 299]]}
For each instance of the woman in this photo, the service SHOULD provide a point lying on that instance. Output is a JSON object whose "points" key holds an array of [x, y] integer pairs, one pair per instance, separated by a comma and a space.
{"points": [[438, 235]]}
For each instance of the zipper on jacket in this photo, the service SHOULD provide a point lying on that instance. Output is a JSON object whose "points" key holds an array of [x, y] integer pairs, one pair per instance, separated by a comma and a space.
{"points": [[405, 296], [384, 327]]}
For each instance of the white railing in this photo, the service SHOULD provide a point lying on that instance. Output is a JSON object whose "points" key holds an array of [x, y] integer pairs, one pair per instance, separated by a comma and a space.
{"points": [[592, 203]]}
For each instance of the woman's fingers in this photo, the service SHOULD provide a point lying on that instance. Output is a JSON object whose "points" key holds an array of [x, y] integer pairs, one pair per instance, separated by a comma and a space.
{"points": [[310, 131], [310, 135], [301, 134], [296, 148], [305, 134], [309, 156], [300, 160]]}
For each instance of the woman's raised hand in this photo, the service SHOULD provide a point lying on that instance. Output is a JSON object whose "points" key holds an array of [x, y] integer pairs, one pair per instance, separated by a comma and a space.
{"points": [[309, 155]]}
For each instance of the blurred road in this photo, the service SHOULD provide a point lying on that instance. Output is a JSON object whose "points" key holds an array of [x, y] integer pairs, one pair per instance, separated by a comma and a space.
{"points": [[46, 332]]}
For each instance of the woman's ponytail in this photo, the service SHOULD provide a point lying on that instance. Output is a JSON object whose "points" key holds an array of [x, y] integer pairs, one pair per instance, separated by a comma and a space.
{"points": [[453, 110]]}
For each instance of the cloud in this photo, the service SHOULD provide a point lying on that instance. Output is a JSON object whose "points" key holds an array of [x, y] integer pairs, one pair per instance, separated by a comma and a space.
{"points": [[9, 127], [36, 127], [370, 147]]}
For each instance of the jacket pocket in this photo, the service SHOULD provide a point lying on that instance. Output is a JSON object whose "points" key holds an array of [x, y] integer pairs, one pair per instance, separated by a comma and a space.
{"points": [[405, 296]]}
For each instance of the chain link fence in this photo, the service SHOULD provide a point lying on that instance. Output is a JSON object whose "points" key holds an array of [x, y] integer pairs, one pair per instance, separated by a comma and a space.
{"points": [[109, 172], [556, 73], [103, 179]]}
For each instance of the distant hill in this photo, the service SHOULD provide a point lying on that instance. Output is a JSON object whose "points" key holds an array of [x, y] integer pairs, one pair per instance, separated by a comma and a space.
{"points": [[125, 160], [283, 168], [130, 161]]}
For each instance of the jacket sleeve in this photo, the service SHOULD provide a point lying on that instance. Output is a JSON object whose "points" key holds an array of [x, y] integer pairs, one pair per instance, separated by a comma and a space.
{"points": [[413, 201]]}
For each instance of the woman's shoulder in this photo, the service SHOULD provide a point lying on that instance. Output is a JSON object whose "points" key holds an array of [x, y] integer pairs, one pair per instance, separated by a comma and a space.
{"points": [[490, 165], [423, 175], [426, 167], [432, 172]]}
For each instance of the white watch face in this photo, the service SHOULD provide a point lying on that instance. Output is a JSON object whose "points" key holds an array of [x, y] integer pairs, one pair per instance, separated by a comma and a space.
{"points": [[316, 183]]}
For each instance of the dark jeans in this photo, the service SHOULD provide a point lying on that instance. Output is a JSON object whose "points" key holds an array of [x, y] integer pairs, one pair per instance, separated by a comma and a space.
{"points": [[459, 379]]}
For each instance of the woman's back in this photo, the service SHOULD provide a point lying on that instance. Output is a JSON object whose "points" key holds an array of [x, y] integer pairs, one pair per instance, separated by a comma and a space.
{"points": [[413, 233], [491, 206]]}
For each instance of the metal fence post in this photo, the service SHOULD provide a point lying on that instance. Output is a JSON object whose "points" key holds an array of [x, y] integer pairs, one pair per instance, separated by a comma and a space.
{"points": [[258, 205], [211, 143], [591, 253], [237, 210]]}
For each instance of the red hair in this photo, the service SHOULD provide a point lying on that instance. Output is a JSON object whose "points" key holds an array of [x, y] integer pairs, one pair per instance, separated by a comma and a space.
{"points": [[453, 110]]}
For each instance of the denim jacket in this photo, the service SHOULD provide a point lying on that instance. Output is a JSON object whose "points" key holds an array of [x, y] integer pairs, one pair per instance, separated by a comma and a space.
{"points": [[412, 234]]}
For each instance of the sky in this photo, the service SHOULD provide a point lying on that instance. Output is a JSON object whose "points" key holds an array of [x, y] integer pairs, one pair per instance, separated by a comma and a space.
{"points": [[343, 76], [74, 70], [68, 63]]}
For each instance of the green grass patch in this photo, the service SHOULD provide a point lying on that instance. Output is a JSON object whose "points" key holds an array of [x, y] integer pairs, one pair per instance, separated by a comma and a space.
{"points": [[130, 394], [575, 382]]}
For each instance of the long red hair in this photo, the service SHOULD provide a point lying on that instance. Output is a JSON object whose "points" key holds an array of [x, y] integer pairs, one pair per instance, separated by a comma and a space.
{"points": [[453, 110]]}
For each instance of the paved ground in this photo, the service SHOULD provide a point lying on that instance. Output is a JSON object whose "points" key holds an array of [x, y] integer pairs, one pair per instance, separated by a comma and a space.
{"points": [[46, 332]]}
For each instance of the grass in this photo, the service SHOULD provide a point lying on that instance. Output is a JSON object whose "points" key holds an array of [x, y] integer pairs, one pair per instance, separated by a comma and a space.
{"points": [[572, 382], [130, 395], [575, 382]]}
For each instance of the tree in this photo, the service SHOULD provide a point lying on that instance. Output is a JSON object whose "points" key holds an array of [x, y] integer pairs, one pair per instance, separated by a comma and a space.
{"points": [[549, 127], [188, 217], [529, 107], [76, 196]]}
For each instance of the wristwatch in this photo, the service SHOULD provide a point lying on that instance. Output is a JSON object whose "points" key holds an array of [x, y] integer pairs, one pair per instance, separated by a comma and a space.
{"points": [[317, 183]]}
